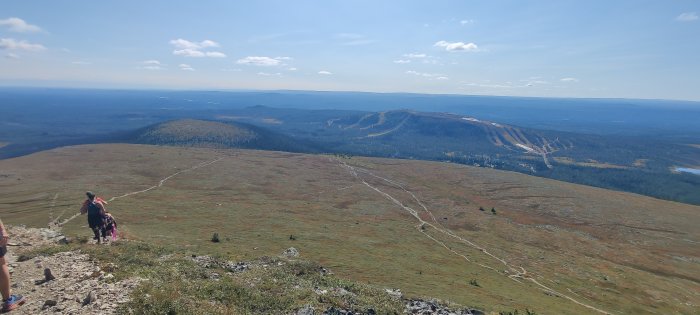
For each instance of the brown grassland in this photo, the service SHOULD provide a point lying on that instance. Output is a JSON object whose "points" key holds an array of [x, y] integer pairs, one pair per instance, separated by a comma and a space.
{"points": [[552, 247]]}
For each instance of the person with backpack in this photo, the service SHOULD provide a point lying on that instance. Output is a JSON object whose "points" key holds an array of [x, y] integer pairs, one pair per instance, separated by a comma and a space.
{"points": [[9, 301], [95, 209], [110, 226]]}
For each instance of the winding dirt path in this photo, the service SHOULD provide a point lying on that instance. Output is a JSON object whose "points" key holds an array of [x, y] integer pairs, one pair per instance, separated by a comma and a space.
{"points": [[160, 184], [518, 272]]}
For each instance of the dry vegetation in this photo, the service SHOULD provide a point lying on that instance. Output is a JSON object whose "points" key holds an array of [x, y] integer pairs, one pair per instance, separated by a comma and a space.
{"points": [[618, 252]]}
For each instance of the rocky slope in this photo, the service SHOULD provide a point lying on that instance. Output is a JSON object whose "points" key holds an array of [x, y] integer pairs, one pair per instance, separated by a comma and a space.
{"points": [[63, 283]]}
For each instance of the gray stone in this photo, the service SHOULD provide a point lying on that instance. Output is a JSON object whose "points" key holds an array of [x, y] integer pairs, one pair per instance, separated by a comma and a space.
{"points": [[49, 303], [290, 252], [306, 310], [90, 298], [48, 276], [395, 293]]}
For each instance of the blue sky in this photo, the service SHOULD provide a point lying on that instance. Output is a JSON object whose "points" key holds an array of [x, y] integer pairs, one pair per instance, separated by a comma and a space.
{"points": [[627, 49]]}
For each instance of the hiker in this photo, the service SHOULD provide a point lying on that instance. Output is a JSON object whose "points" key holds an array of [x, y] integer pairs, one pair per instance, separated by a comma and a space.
{"points": [[95, 209], [110, 226], [9, 301]]}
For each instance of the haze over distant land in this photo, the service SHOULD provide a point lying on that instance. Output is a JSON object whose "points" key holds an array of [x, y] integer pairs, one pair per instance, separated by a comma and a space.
{"points": [[510, 48]]}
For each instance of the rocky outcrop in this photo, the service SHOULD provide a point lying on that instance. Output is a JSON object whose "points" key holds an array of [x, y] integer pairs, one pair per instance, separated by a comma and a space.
{"points": [[290, 252], [211, 262], [433, 307], [62, 283]]}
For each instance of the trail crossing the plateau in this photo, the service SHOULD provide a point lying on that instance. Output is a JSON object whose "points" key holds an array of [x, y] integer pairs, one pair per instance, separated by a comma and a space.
{"points": [[515, 273], [160, 184]]}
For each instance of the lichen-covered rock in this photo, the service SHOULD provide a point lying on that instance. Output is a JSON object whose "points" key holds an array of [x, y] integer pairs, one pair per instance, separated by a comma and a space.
{"points": [[290, 252]]}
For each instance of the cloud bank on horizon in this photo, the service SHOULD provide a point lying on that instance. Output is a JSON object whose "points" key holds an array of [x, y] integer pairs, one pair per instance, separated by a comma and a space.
{"points": [[565, 50]]}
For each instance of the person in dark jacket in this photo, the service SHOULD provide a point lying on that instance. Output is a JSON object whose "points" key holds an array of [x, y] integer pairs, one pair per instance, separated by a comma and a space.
{"points": [[95, 209]]}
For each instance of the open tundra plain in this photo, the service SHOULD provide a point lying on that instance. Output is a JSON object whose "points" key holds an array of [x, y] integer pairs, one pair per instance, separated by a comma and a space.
{"points": [[549, 246]]}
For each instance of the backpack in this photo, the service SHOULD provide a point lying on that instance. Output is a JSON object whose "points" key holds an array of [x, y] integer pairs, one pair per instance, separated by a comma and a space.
{"points": [[93, 209]]}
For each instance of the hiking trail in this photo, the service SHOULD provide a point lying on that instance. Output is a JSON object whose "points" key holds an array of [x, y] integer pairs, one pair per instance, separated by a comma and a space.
{"points": [[160, 184], [518, 272]]}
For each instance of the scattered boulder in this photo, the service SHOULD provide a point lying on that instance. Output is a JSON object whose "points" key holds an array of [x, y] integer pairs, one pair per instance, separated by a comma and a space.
{"points": [[324, 271], [306, 310], [395, 293], [235, 266], [49, 303], [290, 252], [342, 292], [205, 261], [211, 262], [338, 311], [90, 298], [48, 276], [434, 308]]}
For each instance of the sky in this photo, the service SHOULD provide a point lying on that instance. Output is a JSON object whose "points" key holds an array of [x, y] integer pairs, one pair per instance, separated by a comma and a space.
{"points": [[596, 48]]}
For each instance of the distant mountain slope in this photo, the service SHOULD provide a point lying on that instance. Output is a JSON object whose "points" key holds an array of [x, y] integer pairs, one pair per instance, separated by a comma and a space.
{"points": [[463, 132], [636, 164], [411, 134], [212, 134]]}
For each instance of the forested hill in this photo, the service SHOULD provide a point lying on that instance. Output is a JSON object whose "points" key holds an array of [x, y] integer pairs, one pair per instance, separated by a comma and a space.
{"points": [[212, 134]]}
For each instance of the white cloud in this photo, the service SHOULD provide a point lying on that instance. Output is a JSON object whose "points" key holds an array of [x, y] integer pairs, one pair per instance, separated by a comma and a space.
{"points": [[324, 72], [465, 22], [492, 86], [188, 53], [198, 53], [185, 44], [11, 56], [20, 26], [262, 61], [292, 69], [187, 48], [535, 80], [152, 65], [415, 55], [402, 61], [185, 67], [215, 54], [569, 80], [457, 46], [208, 43], [432, 76], [687, 17], [11, 44], [231, 70], [266, 74]]}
